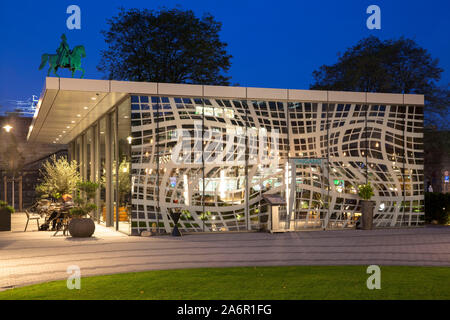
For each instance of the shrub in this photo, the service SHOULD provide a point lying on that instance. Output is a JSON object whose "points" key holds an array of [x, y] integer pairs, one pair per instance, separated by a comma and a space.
{"points": [[4, 207], [84, 204], [365, 191], [437, 207]]}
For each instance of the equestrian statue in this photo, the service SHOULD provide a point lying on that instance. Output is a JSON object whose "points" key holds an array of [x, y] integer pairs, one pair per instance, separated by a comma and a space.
{"points": [[64, 58]]}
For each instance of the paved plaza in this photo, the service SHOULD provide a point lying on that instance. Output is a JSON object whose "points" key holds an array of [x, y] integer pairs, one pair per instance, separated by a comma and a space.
{"points": [[36, 256]]}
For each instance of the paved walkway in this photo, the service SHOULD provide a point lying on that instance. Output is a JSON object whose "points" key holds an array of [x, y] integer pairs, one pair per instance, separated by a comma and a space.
{"points": [[36, 256]]}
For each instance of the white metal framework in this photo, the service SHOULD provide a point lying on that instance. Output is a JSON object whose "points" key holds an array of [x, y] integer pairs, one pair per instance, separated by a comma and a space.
{"points": [[380, 143]]}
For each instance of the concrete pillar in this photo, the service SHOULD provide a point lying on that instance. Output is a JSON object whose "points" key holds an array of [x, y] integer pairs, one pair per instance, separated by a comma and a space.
{"points": [[5, 188], [20, 193], [97, 164], [84, 163], [92, 154], [108, 167]]}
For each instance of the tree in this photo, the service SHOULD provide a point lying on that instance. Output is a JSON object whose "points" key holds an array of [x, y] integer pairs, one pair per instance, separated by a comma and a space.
{"points": [[171, 46], [372, 65], [59, 177], [395, 66]]}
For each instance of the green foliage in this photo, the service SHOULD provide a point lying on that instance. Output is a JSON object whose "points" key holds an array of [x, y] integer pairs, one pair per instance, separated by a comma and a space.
{"points": [[59, 176], [186, 213], [244, 283], [85, 194], [88, 187], [205, 215], [365, 191], [437, 207], [5, 207], [78, 212], [169, 45]]}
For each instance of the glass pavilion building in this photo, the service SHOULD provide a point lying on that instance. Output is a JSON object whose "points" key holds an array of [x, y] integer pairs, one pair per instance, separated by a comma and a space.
{"points": [[237, 158]]}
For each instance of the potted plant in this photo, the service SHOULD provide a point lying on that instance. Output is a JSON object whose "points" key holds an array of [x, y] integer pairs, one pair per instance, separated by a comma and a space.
{"points": [[5, 216], [365, 192], [81, 225]]}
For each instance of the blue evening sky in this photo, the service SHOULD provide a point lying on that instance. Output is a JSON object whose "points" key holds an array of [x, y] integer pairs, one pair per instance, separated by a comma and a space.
{"points": [[274, 44]]}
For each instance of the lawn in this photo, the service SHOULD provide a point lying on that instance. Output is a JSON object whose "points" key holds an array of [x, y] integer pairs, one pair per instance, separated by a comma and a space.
{"points": [[297, 282]]}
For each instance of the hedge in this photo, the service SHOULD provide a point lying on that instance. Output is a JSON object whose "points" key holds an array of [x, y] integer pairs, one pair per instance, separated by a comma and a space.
{"points": [[437, 207]]}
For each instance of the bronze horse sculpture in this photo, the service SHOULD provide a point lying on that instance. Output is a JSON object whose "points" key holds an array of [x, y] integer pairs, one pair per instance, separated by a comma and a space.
{"points": [[65, 58]]}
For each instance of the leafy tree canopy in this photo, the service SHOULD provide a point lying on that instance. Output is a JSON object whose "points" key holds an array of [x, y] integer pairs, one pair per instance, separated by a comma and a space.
{"points": [[395, 66], [171, 46]]}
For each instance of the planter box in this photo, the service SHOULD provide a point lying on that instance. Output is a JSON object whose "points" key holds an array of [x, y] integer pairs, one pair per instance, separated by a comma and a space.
{"points": [[5, 220], [367, 207]]}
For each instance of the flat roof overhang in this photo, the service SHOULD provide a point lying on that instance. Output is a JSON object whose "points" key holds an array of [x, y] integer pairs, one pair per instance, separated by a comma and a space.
{"points": [[67, 107]]}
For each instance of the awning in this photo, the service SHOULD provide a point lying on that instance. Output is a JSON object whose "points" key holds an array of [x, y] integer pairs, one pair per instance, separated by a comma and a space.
{"points": [[67, 107]]}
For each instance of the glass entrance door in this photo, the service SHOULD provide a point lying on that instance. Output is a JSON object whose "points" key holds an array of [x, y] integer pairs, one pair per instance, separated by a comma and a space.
{"points": [[310, 193]]}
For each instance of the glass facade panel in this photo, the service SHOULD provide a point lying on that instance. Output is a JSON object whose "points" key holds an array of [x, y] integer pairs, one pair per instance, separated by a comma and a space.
{"points": [[218, 161], [124, 159], [102, 168]]}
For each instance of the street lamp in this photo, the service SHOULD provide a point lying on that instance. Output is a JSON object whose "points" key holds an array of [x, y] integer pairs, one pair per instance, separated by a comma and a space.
{"points": [[7, 128]]}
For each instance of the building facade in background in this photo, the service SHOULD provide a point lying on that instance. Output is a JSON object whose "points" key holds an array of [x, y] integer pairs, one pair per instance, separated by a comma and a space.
{"points": [[233, 158]]}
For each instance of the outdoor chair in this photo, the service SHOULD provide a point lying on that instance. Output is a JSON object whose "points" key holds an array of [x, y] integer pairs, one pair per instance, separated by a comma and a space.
{"points": [[62, 223], [31, 216]]}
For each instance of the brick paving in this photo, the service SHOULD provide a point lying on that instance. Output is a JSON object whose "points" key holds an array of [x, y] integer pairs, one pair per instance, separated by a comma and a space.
{"points": [[36, 256]]}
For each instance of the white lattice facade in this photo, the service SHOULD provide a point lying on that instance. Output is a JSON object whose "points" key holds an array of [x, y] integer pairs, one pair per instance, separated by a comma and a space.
{"points": [[353, 142]]}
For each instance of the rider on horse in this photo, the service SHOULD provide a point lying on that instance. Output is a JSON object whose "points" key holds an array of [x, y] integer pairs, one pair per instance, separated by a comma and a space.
{"points": [[63, 52], [64, 58]]}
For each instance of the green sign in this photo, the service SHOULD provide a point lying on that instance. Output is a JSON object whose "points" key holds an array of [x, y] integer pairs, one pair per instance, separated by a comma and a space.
{"points": [[308, 161]]}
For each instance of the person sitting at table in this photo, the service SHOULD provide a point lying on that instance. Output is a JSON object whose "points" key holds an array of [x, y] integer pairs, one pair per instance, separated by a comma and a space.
{"points": [[66, 204]]}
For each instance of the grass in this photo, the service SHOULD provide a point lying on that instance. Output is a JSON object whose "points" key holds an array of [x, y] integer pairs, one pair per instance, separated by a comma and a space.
{"points": [[259, 283]]}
